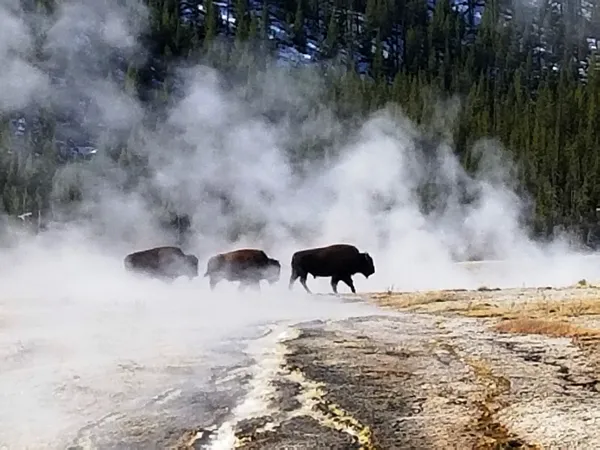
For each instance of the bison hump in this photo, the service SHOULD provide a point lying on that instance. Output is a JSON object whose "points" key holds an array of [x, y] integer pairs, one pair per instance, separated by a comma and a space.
{"points": [[247, 255]]}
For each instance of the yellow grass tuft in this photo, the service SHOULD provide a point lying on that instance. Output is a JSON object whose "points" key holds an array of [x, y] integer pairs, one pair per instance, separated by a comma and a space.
{"points": [[553, 328], [409, 300], [537, 309]]}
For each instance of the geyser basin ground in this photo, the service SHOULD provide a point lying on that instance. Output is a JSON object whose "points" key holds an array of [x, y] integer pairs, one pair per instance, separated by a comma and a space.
{"points": [[484, 369], [139, 363]]}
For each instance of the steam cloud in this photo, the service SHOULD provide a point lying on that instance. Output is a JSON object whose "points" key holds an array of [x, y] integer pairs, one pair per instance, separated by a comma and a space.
{"points": [[70, 316]]}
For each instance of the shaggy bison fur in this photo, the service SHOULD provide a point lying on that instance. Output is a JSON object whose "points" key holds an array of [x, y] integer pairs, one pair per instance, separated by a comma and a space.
{"points": [[338, 261], [248, 266], [166, 263]]}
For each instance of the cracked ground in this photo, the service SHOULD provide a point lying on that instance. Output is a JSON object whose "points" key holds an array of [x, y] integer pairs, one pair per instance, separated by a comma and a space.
{"points": [[436, 378]]}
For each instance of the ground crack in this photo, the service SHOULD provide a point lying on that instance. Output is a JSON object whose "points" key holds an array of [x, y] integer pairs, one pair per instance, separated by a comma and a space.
{"points": [[586, 380], [491, 433]]}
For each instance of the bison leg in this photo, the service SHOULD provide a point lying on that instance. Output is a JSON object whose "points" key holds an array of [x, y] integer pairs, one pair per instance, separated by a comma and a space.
{"points": [[213, 282], [348, 281], [293, 278], [295, 275], [334, 283], [303, 282]]}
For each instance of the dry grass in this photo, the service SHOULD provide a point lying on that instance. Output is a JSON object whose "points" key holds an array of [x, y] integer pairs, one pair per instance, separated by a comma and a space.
{"points": [[553, 328], [493, 303], [537, 308], [406, 301]]}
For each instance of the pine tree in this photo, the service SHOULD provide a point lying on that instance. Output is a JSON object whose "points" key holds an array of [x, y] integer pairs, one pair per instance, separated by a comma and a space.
{"points": [[298, 28]]}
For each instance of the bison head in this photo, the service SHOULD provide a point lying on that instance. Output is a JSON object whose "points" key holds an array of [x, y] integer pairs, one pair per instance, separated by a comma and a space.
{"points": [[191, 265], [367, 267], [272, 271]]}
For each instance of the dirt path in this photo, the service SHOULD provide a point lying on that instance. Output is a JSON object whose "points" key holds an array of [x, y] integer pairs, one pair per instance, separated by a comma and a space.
{"points": [[432, 378]]}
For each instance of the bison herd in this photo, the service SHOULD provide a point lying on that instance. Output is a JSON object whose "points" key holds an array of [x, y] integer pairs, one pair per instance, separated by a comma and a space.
{"points": [[250, 266]]}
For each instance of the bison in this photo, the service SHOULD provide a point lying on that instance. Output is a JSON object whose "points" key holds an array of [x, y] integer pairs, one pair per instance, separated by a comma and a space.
{"points": [[338, 261], [167, 263], [248, 266]]}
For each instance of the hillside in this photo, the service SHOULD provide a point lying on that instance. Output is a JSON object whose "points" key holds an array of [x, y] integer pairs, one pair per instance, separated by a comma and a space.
{"points": [[341, 29], [523, 73]]}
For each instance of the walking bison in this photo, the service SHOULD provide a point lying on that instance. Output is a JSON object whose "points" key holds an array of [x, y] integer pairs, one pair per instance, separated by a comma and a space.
{"points": [[248, 266], [338, 261], [166, 263]]}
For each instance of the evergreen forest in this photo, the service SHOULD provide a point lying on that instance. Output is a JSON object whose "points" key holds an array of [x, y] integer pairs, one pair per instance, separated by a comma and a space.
{"points": [[525, 74]]}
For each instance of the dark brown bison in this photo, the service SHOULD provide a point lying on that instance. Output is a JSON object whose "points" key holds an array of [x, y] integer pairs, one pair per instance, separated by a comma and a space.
{"points": [[248, 266], [338, 261], [167, 263]]}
